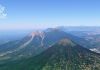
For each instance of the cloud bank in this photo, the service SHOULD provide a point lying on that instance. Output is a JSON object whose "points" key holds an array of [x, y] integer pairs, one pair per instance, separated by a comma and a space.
{"points": [[3, 13]]}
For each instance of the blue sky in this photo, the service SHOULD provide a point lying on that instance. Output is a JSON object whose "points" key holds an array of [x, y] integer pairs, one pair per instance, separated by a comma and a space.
{"points": [[34, 14]]}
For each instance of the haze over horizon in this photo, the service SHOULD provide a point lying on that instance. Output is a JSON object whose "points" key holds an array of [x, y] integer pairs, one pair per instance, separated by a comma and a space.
{"points": [[37, 14]]}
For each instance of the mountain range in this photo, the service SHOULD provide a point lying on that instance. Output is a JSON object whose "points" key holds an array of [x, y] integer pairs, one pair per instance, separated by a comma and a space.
{"points": [[32, 44], [63, 55], [90, 36], [51, 49]]}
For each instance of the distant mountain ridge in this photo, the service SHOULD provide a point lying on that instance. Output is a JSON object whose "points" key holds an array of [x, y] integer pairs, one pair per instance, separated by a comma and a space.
{"points": [[79, 28]]}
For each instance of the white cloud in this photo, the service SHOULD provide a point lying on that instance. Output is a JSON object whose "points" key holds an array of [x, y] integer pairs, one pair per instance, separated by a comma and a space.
{"points": [[3, 13]]}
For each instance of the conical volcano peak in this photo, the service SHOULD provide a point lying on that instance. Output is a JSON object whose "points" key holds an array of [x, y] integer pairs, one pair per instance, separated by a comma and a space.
{"points": [[66, 42], [52, 30], [37, 33]]}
